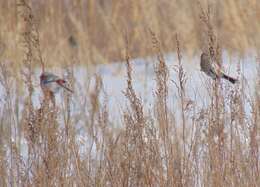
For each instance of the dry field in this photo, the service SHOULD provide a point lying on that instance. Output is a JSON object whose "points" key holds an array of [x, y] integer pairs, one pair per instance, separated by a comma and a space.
{"points": [[78, 143]]}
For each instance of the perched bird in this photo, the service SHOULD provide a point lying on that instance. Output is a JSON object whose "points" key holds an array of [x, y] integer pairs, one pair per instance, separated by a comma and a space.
{"points": [[72, 42], [212, 69], [52, 83]]}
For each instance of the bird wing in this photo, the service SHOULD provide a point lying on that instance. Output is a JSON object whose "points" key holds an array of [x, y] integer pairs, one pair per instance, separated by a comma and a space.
{"points": [[61, 82], [49, 78], [217, 69], [52, 77]]}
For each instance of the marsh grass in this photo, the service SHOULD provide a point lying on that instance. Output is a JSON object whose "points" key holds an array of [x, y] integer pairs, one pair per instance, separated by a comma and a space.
{"points": [[191, 145]]}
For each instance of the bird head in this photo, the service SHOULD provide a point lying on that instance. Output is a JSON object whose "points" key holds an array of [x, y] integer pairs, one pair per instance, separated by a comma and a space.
{"points": [[42, 77]]}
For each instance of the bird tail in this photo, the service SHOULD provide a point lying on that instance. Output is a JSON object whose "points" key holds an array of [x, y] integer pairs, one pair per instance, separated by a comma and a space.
{"points": [[61, 83], [230, 79], [71, 91]]}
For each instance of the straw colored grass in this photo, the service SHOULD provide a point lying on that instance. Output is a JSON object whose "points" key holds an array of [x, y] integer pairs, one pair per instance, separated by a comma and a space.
{"points": [[210, 145]]}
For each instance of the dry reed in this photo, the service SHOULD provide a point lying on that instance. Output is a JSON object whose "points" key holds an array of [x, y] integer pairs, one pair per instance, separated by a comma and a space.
{"points": [[190, 145]]}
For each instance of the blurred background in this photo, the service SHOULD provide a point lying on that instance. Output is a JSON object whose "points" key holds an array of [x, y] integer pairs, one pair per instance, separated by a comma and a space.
{"points": [[95, 29]]}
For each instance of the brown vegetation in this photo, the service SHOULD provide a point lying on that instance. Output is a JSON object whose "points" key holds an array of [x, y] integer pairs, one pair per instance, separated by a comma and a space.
{"points": [[98, 27], [214, 145]]}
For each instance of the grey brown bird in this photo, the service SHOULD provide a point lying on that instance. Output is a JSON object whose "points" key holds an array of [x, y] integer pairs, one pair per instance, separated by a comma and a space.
{"points": [[212, 69], [52, 83]]}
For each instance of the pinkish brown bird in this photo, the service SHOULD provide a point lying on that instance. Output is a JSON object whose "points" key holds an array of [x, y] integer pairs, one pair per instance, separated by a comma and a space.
{"points": [[212, 69]]}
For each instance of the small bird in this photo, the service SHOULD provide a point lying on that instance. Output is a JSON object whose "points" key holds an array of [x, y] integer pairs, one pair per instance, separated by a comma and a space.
{"points": [[212, 69], [72, 42], [52, 83]]}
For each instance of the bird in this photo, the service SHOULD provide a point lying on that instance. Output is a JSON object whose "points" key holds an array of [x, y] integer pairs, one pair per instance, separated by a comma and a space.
{"points": [[212, 69], [52, 84], [72, 42]]}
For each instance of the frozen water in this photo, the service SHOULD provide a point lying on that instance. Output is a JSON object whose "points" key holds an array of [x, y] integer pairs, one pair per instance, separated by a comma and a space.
{"points": [[114, 81]]}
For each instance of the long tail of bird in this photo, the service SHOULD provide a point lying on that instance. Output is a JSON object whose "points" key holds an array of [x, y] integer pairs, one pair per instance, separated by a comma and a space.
{"points": [[230, 79], [61, 83]]}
